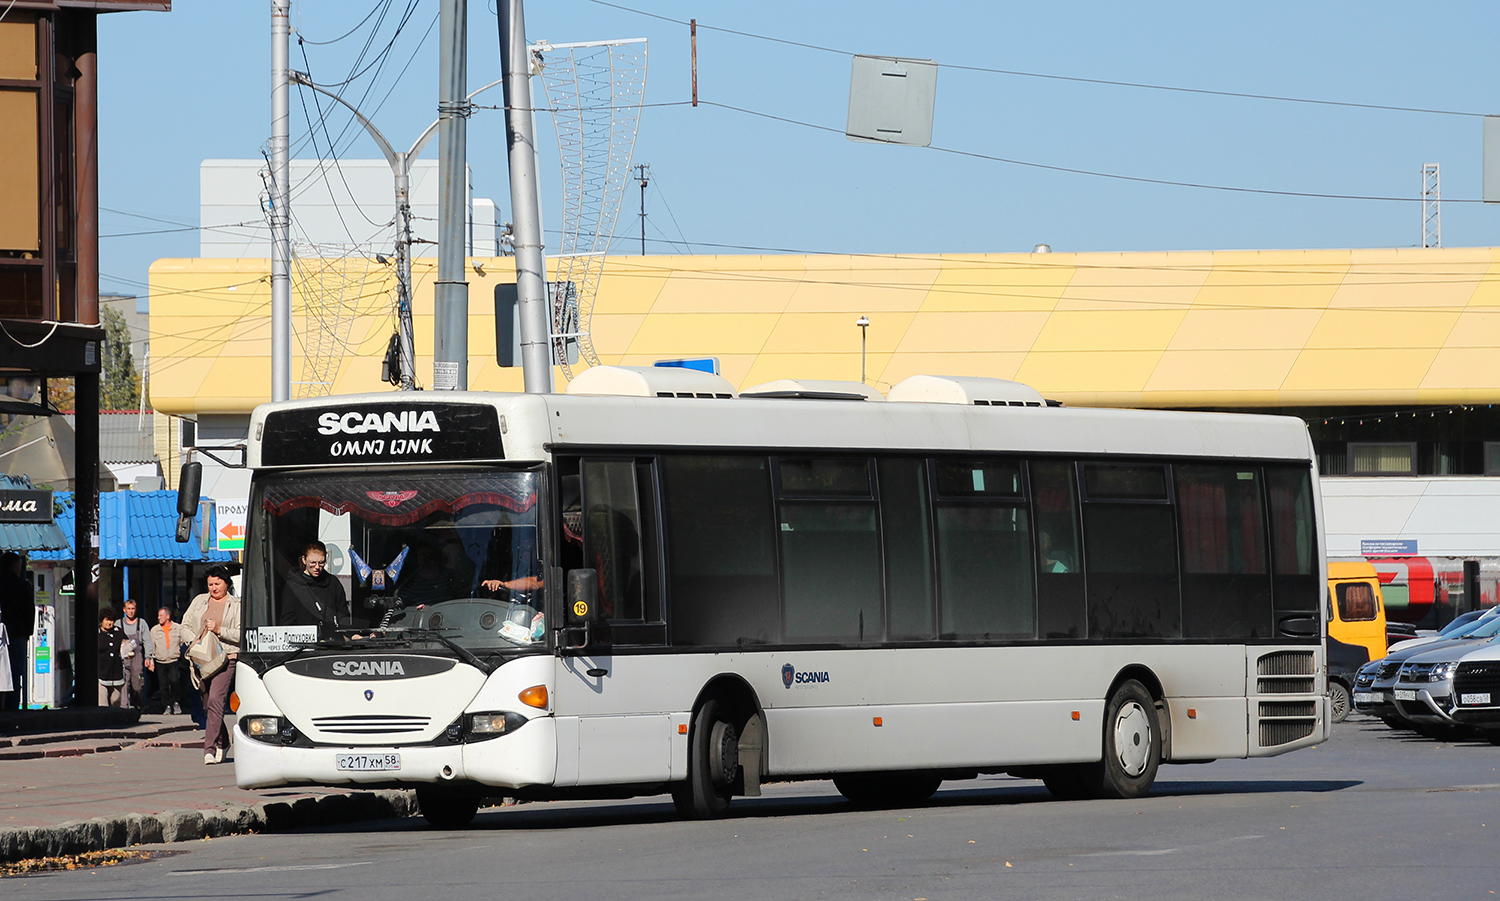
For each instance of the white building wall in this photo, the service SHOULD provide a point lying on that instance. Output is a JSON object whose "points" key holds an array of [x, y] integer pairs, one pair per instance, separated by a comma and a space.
{"points": [[349, 203], [1448, 516]]}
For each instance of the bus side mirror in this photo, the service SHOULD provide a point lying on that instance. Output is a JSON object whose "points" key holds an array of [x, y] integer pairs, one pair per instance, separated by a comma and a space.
{"points": [[189, 487], [583, 597]]}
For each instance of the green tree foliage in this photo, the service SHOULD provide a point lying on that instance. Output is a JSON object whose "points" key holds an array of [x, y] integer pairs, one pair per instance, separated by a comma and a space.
{"points": [[120, 385]]}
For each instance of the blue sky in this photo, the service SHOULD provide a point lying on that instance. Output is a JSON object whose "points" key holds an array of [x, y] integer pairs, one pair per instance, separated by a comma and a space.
{"points": [[193, 84]]}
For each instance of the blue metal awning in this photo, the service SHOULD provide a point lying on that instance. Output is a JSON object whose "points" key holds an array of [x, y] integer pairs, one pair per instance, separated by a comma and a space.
{"points": [[140, 525], [29, 536]]}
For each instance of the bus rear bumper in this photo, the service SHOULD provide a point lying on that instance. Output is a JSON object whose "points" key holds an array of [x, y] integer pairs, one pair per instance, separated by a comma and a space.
{"points": [[526, 757]]}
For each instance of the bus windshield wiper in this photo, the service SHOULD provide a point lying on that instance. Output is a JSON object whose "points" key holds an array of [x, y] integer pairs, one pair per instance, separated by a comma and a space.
{"points": [[463, 653]]}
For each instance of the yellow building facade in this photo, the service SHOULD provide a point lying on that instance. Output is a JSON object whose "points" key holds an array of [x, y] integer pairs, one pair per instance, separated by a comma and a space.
{"points": [[1222, 329]]}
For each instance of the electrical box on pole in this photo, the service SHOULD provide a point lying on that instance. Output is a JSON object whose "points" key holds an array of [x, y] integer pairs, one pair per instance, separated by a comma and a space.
{"points": [[1492, 159], [891, 100]]}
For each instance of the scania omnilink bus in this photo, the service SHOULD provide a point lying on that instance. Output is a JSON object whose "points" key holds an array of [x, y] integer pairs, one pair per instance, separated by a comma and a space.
{"points": [[652, 584]]}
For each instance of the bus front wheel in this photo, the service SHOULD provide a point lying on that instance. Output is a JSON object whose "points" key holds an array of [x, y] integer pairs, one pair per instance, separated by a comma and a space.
{"points": [[446, 809], [1132, 745], [713, 765]]}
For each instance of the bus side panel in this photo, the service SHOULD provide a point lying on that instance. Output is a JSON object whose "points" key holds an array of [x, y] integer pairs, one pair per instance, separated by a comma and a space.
{"points": [[911, 736], [1208, 728]]}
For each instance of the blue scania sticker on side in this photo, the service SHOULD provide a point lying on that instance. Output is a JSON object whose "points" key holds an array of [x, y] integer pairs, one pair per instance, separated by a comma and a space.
{"points": [[790, 677]]}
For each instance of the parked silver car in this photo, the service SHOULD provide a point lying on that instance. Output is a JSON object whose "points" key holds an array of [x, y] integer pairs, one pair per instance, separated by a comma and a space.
{"points": [[1476, 690], [1424, 691]]}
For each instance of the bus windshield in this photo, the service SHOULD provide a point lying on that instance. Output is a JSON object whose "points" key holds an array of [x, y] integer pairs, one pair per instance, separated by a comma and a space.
{"points": [[439, 556]]}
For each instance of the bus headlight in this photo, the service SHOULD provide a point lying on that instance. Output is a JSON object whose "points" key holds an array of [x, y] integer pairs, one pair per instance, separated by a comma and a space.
{"points": [[262, 728], [490, 725]]}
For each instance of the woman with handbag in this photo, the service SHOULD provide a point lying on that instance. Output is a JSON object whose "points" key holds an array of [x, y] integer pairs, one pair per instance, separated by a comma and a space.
{"points": [[211, 630]]}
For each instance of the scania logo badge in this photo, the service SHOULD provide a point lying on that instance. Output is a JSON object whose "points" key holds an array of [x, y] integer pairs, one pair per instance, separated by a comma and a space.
{"points": [[786, 675], [369, 695]]}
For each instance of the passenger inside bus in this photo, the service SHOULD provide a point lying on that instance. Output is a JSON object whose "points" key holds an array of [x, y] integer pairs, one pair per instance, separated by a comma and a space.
{"points": [[1053, 561], [313, 596]]}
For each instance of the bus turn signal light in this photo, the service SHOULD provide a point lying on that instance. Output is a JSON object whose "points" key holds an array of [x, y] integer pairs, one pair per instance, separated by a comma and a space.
{"points": [[535, 696], [234, 702]]}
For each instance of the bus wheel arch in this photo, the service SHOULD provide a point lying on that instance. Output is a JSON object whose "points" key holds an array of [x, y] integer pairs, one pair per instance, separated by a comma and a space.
{"points": [[726, 748], [1144, 675]]}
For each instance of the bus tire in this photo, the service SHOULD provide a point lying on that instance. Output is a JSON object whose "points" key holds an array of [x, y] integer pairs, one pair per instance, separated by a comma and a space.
{"points": [[1065, 782], [1132, 745], [446, 809], [887, 789], [713, 764], [1338, 702]]}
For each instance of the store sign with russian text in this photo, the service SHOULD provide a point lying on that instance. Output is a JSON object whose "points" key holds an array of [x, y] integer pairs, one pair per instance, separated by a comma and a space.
{"points": [[381, 433], [25, 505]]}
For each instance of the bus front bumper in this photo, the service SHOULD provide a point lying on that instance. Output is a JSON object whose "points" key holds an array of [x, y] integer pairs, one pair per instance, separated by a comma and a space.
{"points": [[525, 757]]}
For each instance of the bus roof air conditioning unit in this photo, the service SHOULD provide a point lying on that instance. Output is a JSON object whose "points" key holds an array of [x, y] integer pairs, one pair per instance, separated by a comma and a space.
{"points": [[970, 391], [650, 381], [814, 389]]}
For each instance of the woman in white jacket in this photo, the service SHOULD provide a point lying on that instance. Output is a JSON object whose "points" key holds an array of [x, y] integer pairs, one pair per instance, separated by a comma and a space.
{"points": [[216, 611]]}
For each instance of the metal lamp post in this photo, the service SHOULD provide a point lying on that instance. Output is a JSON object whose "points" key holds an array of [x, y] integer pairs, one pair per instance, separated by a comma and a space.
{"points": [[864, 326]]}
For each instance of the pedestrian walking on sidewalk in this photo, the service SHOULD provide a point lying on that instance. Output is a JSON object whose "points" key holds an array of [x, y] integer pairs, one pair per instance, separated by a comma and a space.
{"points": [[166, 659], [138, 663], [112, 640], [18, 614], [214, 613]]}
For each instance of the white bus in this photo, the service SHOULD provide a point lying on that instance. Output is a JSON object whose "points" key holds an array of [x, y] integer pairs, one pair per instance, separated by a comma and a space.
{"points": [[652, 584]]}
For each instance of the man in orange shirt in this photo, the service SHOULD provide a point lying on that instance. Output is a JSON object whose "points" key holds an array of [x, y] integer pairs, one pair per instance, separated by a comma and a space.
{"points": [[166, 651]]}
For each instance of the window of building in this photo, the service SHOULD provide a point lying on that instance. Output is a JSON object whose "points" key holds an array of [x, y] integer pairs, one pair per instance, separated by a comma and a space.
{"points": [[1391, 458]]}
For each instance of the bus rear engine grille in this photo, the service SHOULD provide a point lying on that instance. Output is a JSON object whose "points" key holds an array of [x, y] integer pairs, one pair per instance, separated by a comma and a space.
{"points": [[1286, 663], [371, 724], [1285, 686], [1286, 721]]}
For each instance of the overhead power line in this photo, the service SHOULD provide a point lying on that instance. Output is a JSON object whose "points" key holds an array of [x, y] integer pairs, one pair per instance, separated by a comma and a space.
{"points": [[1052, 77]]}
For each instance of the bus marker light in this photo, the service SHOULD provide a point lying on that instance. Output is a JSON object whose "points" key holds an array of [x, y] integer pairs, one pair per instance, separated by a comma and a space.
{"points": [[1075, 716], [879, 721], [234, 702], [1192, 713], [682, 728], [535, 696]]}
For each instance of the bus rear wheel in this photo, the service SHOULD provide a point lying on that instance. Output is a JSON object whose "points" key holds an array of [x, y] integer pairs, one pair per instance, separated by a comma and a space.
{"points": [[443, 809], [713, 765], [887, 789], [1132, 745]]}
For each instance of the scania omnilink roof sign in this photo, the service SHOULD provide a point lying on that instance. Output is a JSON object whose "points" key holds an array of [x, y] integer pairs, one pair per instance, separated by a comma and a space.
{"points": [[381, 433]]}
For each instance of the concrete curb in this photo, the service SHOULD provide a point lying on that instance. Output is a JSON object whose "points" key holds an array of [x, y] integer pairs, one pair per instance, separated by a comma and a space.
{"points": [[102, 833]]}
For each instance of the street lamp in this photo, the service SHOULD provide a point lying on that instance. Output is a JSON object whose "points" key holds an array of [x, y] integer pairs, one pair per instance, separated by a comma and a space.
{"points": [[864, 325]]}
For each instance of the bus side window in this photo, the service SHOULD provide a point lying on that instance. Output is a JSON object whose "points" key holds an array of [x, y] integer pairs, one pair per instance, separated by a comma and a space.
{"points": [[830, 551], [1226, 584], [612, 537], [984, 551], [721, 553], [908, 548], [1294, 552], [1061, 604], [1130, 548]]}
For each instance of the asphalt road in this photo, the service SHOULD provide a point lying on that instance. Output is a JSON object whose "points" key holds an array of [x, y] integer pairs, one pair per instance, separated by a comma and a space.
{"points": [[1370, 814]]}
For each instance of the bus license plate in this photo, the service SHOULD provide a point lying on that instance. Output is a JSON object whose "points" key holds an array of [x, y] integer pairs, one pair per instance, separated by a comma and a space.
{"points": [[1405, 694], [1366, 697], [369, 763], [1481, 698]]}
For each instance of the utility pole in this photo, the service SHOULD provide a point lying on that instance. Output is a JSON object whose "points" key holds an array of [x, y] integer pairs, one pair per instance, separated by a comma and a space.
{"points": [[645, 176], [526, 229], [450, 358], [281, 220]]}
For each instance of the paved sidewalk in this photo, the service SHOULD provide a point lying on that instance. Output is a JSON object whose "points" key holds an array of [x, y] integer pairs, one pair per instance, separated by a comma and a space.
{"points": [[83, 790]]}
